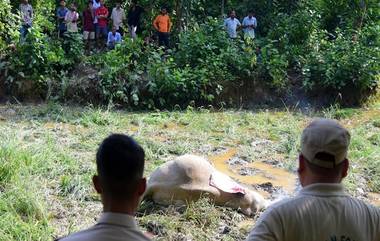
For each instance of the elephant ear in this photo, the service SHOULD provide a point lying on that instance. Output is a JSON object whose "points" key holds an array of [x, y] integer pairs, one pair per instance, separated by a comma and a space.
{"points": [[225, 183]]}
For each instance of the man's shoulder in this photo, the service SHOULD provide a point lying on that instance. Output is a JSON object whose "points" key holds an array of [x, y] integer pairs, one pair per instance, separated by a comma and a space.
{"points": [[80, 235]]}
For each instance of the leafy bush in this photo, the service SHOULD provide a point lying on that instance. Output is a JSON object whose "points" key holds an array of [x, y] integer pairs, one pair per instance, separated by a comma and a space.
{"points": [[8, 24], [122, 72], [343, 62]]}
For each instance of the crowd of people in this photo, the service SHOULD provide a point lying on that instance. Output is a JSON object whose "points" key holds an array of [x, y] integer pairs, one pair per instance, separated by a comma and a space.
{"points": [[96, 18], [322, 210]]}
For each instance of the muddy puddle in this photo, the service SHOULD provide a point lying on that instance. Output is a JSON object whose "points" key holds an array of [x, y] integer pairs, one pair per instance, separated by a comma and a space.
{"points": [[266, 178], [271, 181]]}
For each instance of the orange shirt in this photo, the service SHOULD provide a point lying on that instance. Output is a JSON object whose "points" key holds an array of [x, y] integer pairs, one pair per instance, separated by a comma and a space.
{"points": [[162, 23]]}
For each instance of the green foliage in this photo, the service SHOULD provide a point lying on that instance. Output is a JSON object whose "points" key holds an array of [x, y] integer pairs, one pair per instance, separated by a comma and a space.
{"points": [[317, 45], [8, 25], [346, 61]]}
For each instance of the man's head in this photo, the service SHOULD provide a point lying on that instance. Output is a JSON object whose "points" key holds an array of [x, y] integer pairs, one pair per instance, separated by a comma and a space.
{"points": [[114, 30], [90, 4], [120, 167], [251, 13], [324, 147], [24, 1], [233, 14], [164, 11], [73, 7], [101, 2], [118, 5], [62, 3]]}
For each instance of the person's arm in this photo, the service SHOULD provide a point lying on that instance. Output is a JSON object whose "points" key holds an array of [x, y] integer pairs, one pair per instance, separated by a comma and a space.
{"points": [[76, 17], [238, 24], [155, 23], [169, 24], [67, 17], [109, 38], [245, 23], [255, 23], [118, 38]]}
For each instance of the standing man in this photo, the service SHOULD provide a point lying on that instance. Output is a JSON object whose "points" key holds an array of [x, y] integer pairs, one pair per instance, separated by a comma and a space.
{"points": [[101, 14], [163, 25], [120, 183], [322, 211], [61, 14], [249, 25], [95, 5], [118, 17], [71, 19], [26, 13], [232, 24], [134, 14], [88, 25]]}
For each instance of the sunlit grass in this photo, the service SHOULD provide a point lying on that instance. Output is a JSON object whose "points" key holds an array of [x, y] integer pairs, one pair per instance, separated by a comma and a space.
{"points": [[47, 158]]}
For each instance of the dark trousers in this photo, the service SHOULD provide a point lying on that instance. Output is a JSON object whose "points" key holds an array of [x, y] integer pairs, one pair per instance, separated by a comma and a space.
{"points": [[61, 33], [163, 39]]}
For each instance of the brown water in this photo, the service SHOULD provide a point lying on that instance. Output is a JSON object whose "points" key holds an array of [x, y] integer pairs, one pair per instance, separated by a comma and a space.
{"points": [[263, 172], [374, 198]]}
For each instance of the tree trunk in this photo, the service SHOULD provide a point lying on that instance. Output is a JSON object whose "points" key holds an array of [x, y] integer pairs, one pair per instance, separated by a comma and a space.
{"points": [[179, 11], [222, 10]]}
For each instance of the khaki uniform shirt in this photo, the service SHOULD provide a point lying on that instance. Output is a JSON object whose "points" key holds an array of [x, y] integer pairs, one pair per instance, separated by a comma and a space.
{"points": [[320, 212], [117, 16], [111, 227]]}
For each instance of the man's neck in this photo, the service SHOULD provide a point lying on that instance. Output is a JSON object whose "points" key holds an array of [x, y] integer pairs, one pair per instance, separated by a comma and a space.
{"points": [[119, 206], [316, 179]]}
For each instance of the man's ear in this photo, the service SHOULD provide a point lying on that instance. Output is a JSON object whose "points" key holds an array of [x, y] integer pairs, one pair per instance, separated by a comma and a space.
{"points": [[141, 186], [346, 165], [96, 183], [301, 164]]}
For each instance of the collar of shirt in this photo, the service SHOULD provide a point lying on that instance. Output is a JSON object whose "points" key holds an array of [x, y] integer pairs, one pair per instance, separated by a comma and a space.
{"points": [[118, 219], [324, 189]]}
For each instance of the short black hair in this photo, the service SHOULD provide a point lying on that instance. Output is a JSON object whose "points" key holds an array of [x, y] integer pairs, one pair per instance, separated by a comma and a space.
{"points": [[120, 164]]}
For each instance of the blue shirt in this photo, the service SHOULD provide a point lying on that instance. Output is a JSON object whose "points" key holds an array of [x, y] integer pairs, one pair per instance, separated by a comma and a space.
{"points": [[231, 26], [249, 31], [113, 39], [61, 12]]}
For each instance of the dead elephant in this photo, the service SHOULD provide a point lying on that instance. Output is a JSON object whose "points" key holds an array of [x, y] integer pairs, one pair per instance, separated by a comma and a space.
{"points": [[187, 177]]}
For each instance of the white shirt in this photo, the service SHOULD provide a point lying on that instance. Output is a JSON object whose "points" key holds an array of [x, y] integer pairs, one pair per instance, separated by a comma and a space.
{"points": [[248, 31], [111, 227], [320, 212], [117, 16], [26, 11], [71, 19], [231, 26]]}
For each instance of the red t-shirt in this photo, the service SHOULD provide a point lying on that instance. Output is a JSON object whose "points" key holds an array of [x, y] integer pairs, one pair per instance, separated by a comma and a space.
{"points": [[102, 22]]}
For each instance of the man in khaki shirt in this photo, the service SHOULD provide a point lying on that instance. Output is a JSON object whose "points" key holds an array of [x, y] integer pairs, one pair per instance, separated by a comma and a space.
{"points": [[120, 182], [322, 211], [118, 17]]}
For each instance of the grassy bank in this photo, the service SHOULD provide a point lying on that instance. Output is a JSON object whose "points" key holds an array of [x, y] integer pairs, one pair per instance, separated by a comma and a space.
{"points": [[47, 159]]}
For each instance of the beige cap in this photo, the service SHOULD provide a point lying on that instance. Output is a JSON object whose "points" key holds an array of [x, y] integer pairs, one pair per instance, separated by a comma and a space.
{"points": [[325, 136]]}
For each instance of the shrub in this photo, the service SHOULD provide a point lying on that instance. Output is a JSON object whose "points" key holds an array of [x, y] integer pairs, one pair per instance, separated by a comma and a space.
{"points": [[344, 62]]}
